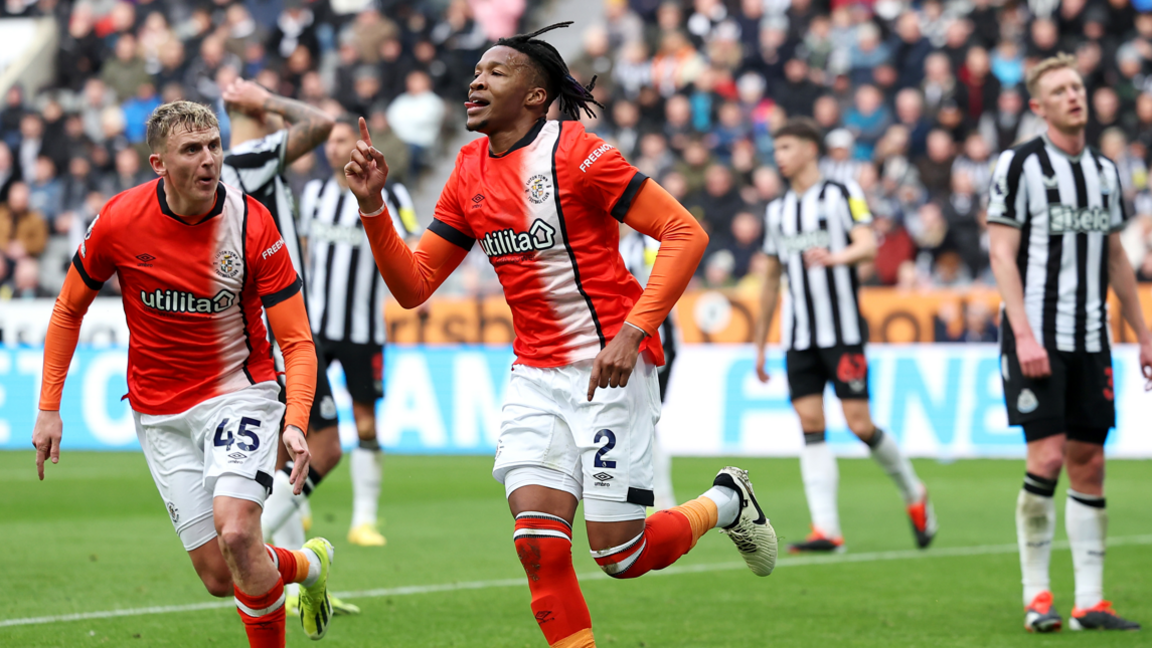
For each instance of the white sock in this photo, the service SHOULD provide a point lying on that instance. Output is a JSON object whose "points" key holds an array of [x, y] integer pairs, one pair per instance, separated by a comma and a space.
{"points": [[662, 476], [313, 567], [1086, 521], [1035, 527], [292, 589], [290, 535], [821, 480], [279, 506], [887, 453], [367, 472], [727, 505]]}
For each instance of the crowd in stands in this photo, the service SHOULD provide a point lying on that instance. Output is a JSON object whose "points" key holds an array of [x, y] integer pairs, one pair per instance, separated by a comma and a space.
{"points": [[916, 99], [80, 140]]}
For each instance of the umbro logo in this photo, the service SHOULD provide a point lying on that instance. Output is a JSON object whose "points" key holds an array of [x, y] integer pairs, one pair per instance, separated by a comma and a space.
{"points": [[237, 456], [476, 200], [1050, 182], [602, 476], [542, 616], [145, 260]]}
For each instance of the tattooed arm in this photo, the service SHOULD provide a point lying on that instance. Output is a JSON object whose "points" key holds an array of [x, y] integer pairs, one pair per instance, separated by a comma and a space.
{"points": [[308, 127]]}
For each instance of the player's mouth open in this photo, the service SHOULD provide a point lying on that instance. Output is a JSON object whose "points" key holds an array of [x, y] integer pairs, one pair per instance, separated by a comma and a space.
{"points": [[475, 103]]}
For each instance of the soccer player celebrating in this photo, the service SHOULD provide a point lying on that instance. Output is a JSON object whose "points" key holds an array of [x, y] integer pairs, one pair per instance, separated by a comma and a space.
{"points": [[197, 261], [1055, 216], [543, 199], [270, 132], [820, 230]]}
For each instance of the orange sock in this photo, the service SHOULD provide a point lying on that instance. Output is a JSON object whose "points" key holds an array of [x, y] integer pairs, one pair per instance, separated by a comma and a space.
{"points": [[292, 565], [667, 536], [544, 545], [263, 616]]}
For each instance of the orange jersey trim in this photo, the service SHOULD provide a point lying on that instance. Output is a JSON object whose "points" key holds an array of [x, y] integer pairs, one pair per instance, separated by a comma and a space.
{"points": [[289, 322]]}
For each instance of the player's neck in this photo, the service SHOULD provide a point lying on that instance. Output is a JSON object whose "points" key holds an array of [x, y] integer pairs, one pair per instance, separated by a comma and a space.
{"points": [[805, 178], [190, 211], [500, 142], [1072, 143]]}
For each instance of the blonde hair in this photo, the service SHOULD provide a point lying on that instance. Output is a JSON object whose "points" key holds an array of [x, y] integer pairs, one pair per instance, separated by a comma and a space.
{"points": [[167, 118], [1051, 64]]}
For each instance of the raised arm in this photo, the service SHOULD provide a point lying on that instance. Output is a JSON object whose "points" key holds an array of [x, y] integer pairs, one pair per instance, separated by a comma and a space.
{"points": [[412, 276], [59, 346], [308, 126]]}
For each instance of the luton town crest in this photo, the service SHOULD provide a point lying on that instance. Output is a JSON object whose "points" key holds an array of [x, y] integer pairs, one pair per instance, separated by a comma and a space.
{"points": [[538, 188], [228, 264]]}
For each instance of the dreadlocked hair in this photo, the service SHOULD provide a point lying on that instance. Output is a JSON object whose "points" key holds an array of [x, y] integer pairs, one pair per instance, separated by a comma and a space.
{"points": [[574, 97]]}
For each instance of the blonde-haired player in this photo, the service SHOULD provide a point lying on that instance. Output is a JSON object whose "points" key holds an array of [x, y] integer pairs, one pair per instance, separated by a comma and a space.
{"points": [[1055, 217], [198, 262]]}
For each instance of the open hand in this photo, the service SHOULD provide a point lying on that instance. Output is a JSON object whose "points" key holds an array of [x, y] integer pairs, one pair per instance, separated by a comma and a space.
{"points": [[818, 258], [297, 451], [366, 173], [46, 439], [248, 96]]}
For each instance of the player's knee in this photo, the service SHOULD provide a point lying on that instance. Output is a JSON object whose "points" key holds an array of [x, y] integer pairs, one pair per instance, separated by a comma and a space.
{"points": [[218, 585], [862, 427], [1087, 467], [237, 539]]}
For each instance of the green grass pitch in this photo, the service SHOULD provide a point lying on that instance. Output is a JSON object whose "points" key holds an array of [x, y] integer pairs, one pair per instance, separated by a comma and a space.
{"points": [[94, 537]]}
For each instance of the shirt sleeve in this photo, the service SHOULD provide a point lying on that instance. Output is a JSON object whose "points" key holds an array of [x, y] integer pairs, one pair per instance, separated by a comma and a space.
{"points": [[602, 176], [448, 221], [268, 262], [257, 162], [857, 213], [771, 217], [94, 258], [1117, 209], [1008, 195]]}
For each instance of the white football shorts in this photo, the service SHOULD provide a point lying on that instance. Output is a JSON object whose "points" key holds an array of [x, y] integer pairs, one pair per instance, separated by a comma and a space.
{"points": [[600, 451], [223, 447]]}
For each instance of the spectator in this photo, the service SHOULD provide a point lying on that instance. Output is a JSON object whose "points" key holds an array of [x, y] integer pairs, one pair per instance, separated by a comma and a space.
{"points": [[655, 157], [295, 27], [25, 281], [894, 248], [868, 119], [719, 201], [1007, 64], [731, 128], [595, 60], [96, 98], [1132, 170], [957, 41], [9, 172], [12, 115], [935, 167], [127, 174], [633, 71], [766, 187], [975, 162], [125, 71], [867, 53], [173, 65], [745, 241], [676, 64], [200, 79], [136, 112], [982, 88], [422, 113], [940, 85], [45, 193], [839, 164], [678, 122], [909, 50], [797, 94], [395, 151], [961, 212], [1105, 114], [80, 51], [626, 127], [23, 231], [826, 112], [1005, 127], [693, 167], [75, 186], [31, 143]]}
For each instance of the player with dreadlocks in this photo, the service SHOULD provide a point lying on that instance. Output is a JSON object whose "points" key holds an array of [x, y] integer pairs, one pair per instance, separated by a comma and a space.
{"points": [[544, 199]]}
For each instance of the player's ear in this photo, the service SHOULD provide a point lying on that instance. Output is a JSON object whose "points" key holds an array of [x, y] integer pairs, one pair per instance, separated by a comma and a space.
{"points": [[1036, 106], [157, 164], [536, 98]]}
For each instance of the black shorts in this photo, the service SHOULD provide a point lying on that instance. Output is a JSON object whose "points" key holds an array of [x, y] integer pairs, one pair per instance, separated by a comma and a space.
{"points": [[363, 368], [811, 369], [1077, 399]]}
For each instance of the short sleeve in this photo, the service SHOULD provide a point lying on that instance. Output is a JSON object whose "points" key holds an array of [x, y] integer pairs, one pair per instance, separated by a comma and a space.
{"points": [[256, 162], [448, 221], [857, 213], [771, 219], [602, 176], [94, 259], [1007, 197], [269, 265]]}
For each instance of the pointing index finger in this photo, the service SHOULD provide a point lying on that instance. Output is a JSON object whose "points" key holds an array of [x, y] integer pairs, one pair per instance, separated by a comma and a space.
{"points": [[364, 132]]}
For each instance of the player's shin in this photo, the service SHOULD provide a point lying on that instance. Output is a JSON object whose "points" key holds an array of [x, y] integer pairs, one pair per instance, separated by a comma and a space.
{"points": [[263, 616], [668, 535], [1086, 521], [367, 474], [544, 546], [1035, 527], [886, 452], [821, 478]]}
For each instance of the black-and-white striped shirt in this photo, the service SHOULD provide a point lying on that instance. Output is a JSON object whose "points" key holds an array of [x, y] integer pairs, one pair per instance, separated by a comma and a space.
{"points": [[821, 308], [1065, 208], [347, 293], [256, 167]]}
